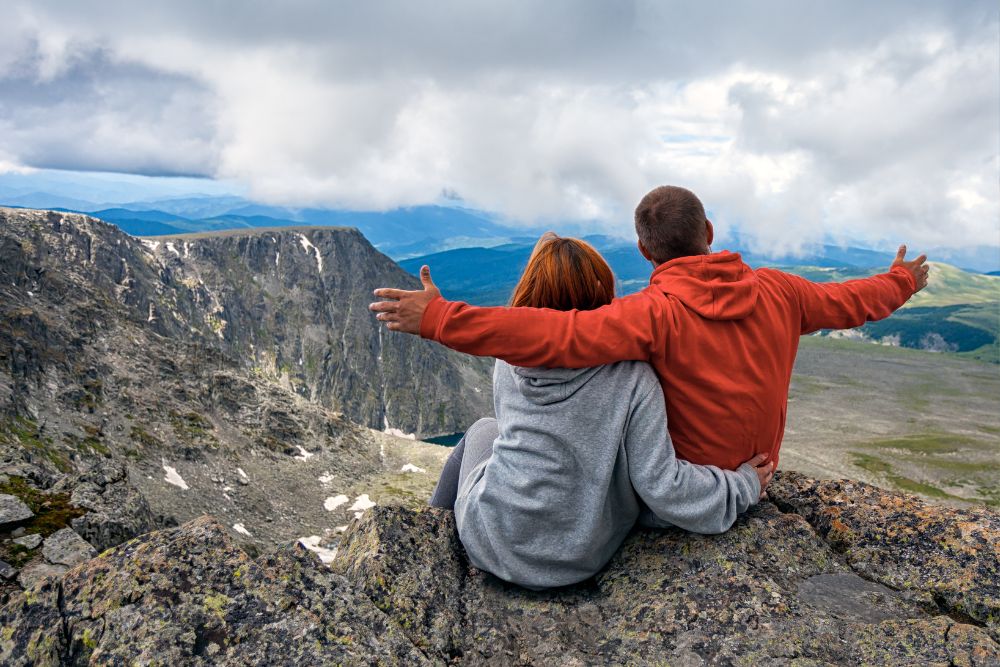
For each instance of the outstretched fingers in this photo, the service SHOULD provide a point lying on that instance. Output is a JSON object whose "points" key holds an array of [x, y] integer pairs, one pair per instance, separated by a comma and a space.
{"points": [[384, 307], [391, 293]]}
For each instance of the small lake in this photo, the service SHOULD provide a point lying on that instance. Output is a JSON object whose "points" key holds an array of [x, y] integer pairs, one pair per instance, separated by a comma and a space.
{"points": [[449, 440]]}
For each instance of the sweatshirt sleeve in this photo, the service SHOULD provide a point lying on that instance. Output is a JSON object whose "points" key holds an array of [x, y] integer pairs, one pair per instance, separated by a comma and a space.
{"points": [[852, 303], [629, 328], [699, 498]]}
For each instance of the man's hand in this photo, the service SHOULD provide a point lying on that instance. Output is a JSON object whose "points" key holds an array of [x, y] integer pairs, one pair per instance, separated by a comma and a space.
{"points": [[917, 268], [765, 472], [406, 308]]}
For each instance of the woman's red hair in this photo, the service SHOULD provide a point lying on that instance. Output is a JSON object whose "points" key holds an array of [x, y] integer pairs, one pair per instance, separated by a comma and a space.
{"points": [[565, 274]]}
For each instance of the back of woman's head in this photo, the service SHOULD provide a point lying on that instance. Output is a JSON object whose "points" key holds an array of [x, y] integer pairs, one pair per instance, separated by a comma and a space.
{"points": [[565, 274]]}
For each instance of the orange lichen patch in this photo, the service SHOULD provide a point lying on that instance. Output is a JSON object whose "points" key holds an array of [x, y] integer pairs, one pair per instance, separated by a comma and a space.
{"points": [[839, 530]]}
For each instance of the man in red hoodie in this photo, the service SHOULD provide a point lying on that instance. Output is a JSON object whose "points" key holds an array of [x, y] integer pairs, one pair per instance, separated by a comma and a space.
{"points": [[721, 336]]}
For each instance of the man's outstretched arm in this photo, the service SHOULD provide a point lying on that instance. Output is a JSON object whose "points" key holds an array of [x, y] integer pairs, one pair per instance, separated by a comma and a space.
{"points": [[628, 328], [852, 303]]}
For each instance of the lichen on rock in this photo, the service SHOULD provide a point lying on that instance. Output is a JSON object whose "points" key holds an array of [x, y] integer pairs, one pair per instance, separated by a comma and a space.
{"points": [[773, 589]]}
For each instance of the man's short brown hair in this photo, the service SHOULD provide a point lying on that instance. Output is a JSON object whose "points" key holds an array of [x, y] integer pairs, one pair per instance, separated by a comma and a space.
{"points": [[670, 223]]}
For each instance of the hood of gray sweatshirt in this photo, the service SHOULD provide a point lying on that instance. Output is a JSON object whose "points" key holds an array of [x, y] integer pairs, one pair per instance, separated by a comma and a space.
{"points": [[580, 455]]}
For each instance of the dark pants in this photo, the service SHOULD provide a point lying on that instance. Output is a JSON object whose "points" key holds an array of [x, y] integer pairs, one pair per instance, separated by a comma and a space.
{"points": [[475, 447]]}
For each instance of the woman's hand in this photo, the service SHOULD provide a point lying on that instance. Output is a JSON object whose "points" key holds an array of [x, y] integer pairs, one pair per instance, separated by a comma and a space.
{"points": [[765, 471]]}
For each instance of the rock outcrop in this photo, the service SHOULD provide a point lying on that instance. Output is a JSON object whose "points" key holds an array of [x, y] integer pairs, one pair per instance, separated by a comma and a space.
{"points": [[85, 307], [825, 573], [215, 372]]}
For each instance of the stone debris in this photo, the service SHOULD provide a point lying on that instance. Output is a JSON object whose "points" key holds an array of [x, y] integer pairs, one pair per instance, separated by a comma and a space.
{"points": [[116, 511], [13, 510], [30, 541], [400, 590], [7, 571], [65, 547], [36, 571]]}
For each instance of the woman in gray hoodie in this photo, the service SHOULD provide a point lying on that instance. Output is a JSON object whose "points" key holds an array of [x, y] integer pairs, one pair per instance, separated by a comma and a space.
{"points": [[545, 493]]}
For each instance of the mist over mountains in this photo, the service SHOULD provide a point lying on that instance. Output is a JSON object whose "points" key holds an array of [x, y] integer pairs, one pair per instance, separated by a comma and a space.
{"points": [[157, 206]]}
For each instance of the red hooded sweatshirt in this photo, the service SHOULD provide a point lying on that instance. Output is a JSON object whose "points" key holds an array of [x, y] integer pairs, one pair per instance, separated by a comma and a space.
{"points": [[721, 336]]}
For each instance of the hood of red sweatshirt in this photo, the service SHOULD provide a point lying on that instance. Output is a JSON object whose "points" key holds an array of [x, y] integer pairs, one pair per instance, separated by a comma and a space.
{"points": [[718, 286]]}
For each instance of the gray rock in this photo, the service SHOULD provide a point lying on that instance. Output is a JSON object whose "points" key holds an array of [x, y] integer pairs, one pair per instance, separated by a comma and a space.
{"points": [[30, 541], [36, 571], [116, 510], [189, 596], [227, 292], [18, 532], [65, 547], [13, 510], [772, 590], [7, 571]]}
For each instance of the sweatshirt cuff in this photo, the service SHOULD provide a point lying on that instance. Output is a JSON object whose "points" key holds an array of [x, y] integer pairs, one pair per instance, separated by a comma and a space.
{"points": [[430, 323], [749, 474], [911, 282]]}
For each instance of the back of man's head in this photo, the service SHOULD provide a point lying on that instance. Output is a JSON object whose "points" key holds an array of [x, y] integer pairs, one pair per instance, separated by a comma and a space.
{"points": [[670, 223]]}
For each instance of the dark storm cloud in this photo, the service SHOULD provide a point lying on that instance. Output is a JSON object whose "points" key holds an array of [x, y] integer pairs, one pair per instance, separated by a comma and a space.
{"points": [[97, 114]]}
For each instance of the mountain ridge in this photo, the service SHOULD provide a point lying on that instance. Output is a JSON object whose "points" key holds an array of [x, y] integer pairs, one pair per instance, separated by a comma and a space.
{"points": [[220, 371]]}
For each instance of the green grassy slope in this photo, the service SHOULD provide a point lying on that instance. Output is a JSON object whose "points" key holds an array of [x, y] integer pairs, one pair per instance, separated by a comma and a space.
{"points": [[904, 419]]}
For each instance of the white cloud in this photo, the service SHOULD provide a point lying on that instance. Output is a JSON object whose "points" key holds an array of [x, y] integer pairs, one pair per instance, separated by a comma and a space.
{"points": [[793, 120]]}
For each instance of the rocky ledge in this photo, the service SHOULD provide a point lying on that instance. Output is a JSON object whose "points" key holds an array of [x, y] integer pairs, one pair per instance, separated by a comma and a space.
{"points": [[824, 573]]}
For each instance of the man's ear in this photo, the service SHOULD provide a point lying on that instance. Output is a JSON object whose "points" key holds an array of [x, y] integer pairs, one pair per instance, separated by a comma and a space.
{"points": [[709, 232], [645, 253]]}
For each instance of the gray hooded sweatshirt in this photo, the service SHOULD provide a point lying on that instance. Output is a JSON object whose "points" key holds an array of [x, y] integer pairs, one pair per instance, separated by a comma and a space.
{"points": [[581, 454]]}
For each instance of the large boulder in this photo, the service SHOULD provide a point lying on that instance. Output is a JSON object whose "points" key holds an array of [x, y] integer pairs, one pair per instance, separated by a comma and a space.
{"points": [[12, 510], [776, 588], [116, 510]]}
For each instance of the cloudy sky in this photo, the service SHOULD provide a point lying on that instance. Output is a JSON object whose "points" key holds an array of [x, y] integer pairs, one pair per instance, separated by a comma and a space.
{"points": [[793, 120]]}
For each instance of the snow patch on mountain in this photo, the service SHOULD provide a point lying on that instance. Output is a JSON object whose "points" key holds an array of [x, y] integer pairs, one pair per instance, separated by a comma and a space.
{"points": [[333, 502], [312, 543], [362, 503], [307, 246], [173, 477]]}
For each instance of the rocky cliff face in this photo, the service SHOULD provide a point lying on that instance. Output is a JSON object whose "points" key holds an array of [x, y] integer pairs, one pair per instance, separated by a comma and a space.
{"points": [[232, 373], [83, 302], [826, 573]]}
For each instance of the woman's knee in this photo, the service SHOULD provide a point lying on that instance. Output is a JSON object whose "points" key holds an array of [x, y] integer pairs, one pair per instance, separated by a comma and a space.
{"points": [[483, 427]]}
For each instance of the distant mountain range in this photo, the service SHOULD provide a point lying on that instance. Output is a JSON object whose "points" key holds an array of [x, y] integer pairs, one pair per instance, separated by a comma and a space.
{"points": [[959, 311], [406, 232], [477, 258], [399, 233]]}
